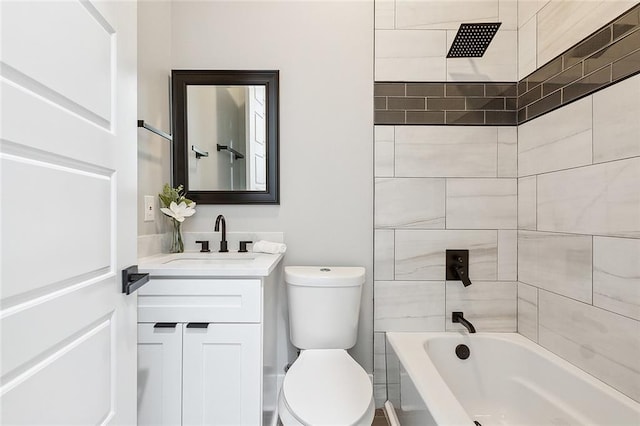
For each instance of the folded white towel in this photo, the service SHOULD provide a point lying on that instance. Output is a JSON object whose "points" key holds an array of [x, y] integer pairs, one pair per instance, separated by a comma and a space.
{"points": [[269, 247]]}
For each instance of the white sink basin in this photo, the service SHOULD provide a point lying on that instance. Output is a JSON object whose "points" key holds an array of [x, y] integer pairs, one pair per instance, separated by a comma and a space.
{"points": [[232, 264], [209, 258]]}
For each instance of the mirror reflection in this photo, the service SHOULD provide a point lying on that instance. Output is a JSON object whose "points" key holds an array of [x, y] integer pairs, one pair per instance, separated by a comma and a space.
{"points": [[226, 136]]}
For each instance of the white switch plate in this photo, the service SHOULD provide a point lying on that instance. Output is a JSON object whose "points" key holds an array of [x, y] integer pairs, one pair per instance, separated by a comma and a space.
{"points": [[149, 208]]}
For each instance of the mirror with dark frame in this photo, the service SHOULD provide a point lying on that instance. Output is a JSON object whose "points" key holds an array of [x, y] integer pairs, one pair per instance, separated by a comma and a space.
{"points": [[225, 136]]}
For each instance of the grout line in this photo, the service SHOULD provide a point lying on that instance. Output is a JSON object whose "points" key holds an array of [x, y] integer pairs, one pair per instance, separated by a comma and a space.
{"points": [[592, 267], [535, 203], [555, 293], [581, 166]]}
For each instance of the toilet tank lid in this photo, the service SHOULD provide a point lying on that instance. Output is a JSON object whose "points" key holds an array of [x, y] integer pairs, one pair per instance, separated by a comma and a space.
{"points": [[324, 276]]}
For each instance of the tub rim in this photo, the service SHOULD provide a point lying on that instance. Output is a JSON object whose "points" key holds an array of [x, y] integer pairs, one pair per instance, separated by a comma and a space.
{"points": [[440, 400]]}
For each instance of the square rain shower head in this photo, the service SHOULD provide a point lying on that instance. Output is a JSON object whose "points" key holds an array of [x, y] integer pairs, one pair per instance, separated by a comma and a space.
{"points": [[472, 40]]}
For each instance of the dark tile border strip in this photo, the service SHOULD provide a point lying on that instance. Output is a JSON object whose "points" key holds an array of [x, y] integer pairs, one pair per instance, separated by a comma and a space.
{"points": [[609, 55], [445, 103]]}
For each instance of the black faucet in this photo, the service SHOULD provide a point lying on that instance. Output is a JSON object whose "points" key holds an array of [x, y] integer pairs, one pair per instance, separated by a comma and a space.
{"points": [[459, 318], [457, 264], [461, 272], [223, 239]]}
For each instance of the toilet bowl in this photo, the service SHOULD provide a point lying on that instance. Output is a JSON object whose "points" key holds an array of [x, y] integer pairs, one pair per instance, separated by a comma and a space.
{"points": [[326, 387]]}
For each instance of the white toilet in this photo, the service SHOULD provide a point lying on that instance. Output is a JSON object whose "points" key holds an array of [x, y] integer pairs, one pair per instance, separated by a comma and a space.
{"points": [[325, 386]]}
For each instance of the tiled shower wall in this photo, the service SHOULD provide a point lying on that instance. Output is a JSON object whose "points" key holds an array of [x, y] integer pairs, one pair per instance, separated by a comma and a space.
{"points": [[439, 186], [442, 187], [579, 233]]}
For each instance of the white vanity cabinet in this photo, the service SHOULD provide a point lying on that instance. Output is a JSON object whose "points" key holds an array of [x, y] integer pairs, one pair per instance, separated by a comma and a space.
{"points": [[221, 375], [159, 374], [204, 351]]}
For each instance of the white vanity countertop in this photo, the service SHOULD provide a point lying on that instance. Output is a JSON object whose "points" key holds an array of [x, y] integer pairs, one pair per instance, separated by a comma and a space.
{"points": [[196, 264]]}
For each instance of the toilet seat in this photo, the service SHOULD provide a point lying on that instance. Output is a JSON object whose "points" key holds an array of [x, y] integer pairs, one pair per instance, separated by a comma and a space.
{"points": [[327, 387]]}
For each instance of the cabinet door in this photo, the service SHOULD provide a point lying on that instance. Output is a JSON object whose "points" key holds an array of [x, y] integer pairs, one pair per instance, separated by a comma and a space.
{"points": [[159, 374], [221, 376]]}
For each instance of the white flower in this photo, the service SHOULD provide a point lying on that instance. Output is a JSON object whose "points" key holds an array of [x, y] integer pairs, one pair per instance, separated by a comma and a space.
{"points": [[179, 211]]}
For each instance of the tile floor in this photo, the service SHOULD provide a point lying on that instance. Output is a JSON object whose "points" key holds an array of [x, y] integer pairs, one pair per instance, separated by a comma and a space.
{"points": [[380, 419]]}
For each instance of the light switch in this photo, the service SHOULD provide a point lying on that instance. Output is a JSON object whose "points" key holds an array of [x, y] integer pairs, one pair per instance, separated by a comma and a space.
{"points": [[149, 208]]}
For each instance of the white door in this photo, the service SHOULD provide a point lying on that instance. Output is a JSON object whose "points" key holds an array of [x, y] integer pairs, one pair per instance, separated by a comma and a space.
{"points": [[222, 375], [256, 139], [159, 374], [68, 212]]}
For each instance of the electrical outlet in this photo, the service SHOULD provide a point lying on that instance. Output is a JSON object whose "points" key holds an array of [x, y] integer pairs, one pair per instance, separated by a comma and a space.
{"points": [[149, 208]]}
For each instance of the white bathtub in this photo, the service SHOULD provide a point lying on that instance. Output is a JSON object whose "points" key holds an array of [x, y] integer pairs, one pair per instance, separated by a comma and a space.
{"points": [[507, 380]]}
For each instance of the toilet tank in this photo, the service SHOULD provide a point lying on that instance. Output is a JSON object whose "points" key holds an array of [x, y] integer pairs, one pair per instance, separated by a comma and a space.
{"points": [[324, 305]]}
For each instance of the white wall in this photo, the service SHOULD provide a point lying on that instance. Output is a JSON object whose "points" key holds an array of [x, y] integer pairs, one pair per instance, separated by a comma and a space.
{"points": [[324, 51], [154, 67]]}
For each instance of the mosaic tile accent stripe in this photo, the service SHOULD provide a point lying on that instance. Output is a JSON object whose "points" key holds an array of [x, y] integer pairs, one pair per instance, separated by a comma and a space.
{"points": [[609, 55], [446, 103]]}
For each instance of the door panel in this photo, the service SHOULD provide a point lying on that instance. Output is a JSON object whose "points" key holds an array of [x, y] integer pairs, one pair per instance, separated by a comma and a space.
{"points": [[68, 222], [75, 236], [257, 136], [73, 39], [35, 397]]}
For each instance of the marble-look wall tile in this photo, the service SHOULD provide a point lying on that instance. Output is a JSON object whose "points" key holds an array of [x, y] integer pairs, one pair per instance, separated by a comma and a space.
{"points": [[527, 40], [528, 311], [557, 140], [410, 203], [482, 204], [527, 9], [409, 306], [393, 364], [489, 306], [601, 199], [385, 14], [507, 151], [602, 343], [383, 253], [616, 275], [420, 255], [556, 262], [616, 127], [527, 203], [562, 23], [499, 62], [507, 255], [379, 359], [379, 395], [508, 14], [446, 151], [384, 141], [410, 55], [440, 14]]}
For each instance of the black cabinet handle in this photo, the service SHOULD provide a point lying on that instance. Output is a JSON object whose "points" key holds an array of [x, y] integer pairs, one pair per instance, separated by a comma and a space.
{"points": [[132, 280], [198, 325], [165, 325]]}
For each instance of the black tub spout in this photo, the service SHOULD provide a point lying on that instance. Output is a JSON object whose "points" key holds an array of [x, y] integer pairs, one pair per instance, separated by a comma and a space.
{"points": [[459, 318]]}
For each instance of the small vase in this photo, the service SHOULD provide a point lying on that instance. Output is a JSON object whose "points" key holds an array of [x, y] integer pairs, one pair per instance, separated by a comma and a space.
{"points": [[177, 246]]}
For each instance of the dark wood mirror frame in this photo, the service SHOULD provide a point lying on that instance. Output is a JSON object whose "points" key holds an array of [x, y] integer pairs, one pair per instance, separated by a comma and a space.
{"points": [[180, 79]]}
